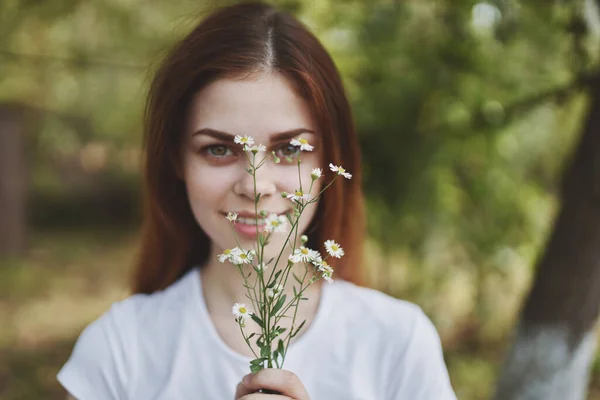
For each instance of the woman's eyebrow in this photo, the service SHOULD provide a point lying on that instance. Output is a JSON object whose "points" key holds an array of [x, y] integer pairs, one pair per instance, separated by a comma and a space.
{"points": [[228, 137]]}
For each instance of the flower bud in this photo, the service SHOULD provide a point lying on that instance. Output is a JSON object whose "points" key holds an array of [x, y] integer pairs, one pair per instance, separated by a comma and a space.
{"points": [[284, 194], [263, 213], [304, 239], [276, 159]]}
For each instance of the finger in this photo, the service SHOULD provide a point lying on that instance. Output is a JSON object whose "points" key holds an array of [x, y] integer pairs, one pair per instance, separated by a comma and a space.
{"points": [[242, 393], [285, 382]]}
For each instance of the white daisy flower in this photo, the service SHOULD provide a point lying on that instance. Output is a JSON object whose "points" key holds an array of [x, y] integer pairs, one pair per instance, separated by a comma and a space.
{"points": [[244, 140], [302, 143], [317, 259], [255, 148], [327, 272], [298, 196], [316, 173], [334, 249], [243, 257], [340, 171], [304, 254], [228, 254], [261, 267], [276, 223], [232, 216], [271, 292], [241, 312], [321, 265]]}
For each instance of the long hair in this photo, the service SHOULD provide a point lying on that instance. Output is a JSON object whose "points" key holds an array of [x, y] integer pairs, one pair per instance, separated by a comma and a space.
{"points": [[231, 42]]}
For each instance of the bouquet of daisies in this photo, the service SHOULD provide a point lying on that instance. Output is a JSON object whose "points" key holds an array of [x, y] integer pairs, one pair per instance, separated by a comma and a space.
{"points": [[265, 279]]}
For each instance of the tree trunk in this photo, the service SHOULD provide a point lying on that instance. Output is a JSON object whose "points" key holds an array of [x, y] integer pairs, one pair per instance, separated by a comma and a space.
{"points": [[554, 340], [13, 186]]}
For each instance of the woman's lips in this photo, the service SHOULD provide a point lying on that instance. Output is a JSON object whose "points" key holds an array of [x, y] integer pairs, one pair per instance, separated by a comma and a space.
{"points": [[250, 230]]}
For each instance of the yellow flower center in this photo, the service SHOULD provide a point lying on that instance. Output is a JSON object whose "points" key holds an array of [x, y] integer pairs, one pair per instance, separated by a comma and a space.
{"points": [[303, 141], [244, 256], [244, 140], [227, 252], [341, 170], [275, 223], [334, 247], [243, 310], [325, 263], [304, 251], [299, 193]]}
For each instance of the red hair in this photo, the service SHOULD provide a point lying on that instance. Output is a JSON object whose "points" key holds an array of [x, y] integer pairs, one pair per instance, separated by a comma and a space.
{"points": [[231, 42]]}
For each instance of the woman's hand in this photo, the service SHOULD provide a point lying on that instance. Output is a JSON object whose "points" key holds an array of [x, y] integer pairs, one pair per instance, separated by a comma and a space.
{"points": [[285, 382]]}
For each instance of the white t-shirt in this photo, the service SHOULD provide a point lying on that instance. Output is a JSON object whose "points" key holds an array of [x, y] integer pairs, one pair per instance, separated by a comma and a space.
{"points": [[362, 344]]}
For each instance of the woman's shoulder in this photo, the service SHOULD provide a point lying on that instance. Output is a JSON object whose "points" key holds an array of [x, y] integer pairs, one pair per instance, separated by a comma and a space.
{"points": [[379, 308], [106, 352], [399, 335], [143, 309], [373, 315], [154, 312]]}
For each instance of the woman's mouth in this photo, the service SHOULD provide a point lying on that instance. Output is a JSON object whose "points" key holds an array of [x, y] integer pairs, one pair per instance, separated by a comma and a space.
{"points": [[249, 230], [250, 221], [249, 226]]}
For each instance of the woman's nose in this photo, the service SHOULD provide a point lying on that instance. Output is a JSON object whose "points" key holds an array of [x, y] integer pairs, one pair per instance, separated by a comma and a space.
{"points": [[265, 183]]}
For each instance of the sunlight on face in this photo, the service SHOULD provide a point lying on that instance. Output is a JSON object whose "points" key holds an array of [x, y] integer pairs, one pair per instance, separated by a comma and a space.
{"points": [[214, 168]]}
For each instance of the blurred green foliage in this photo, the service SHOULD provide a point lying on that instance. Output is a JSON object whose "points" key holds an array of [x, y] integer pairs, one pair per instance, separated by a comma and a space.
{"points": [[463, 108]]}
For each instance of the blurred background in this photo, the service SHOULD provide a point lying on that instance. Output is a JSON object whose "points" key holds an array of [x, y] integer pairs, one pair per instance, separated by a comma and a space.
{"points": [[469, 113]]}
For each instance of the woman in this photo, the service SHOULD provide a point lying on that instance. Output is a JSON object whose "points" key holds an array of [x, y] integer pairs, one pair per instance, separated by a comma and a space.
{"points": [[249, 70]]}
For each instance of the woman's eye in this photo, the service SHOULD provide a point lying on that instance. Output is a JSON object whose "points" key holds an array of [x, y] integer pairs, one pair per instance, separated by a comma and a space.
{"points": [[218, 150], [287, 150]]}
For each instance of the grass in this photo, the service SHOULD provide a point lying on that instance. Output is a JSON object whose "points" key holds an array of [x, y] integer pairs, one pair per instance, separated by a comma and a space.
{"points": [[69, 279], [66, 281]]}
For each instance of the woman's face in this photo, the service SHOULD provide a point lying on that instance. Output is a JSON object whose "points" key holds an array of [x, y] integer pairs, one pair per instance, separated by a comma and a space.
{"points": [[214, 168]]}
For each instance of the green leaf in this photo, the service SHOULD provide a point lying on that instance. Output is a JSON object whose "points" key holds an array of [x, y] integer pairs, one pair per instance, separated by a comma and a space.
{"points": [[278, 305], [257, 197], [280, 347], [303, 298], [298, 329], [251, 336], [289, 218], [274, 281], [256, 368], [258, 361], [257, 319], [264, 351], [297, 279]]}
